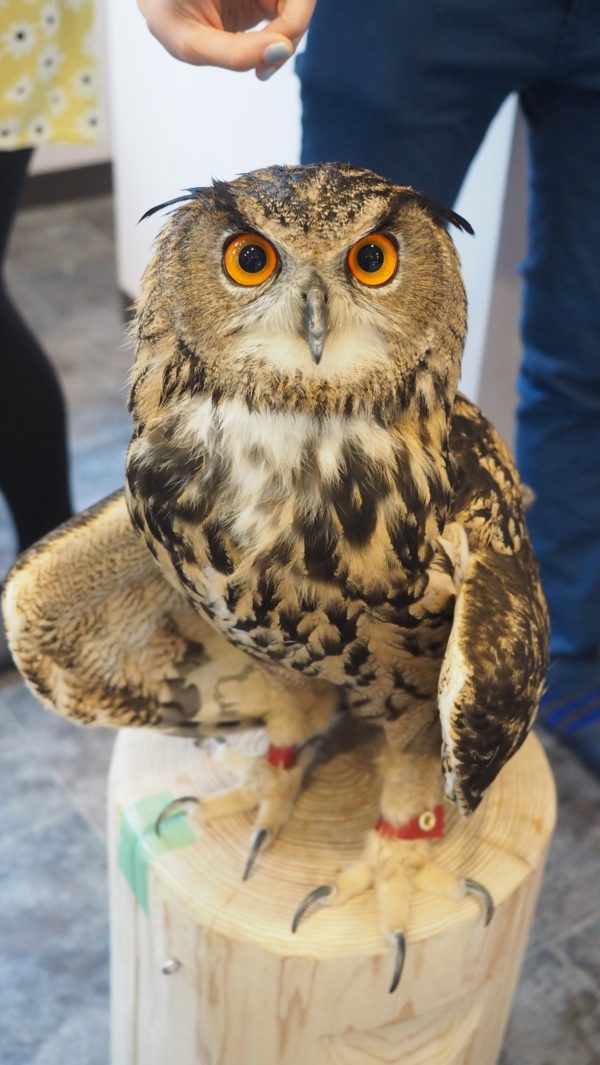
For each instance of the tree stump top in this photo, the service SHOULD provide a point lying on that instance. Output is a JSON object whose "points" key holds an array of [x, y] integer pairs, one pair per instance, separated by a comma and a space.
{"points": [[500, 845]]}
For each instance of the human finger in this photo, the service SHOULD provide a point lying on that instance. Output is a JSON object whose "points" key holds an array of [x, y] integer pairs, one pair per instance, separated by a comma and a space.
{"points": [[293, 18], [292, 21], [201, 44]]}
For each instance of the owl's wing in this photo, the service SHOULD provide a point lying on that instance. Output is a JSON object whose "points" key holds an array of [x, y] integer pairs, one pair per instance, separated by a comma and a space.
{"points": [[494, 668], [102, 637]]}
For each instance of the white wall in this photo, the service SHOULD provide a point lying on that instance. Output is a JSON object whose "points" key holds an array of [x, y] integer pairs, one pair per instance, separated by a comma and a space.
{"points": [[481, 201], [497, 386], [69, 156], [175, 126]]}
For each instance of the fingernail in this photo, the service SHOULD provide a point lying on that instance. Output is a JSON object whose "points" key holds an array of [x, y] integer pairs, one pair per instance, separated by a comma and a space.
{"points": [[267, 73], [275, 53]]}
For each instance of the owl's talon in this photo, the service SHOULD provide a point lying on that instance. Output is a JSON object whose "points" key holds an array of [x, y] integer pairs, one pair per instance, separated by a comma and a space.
{"points": [[473, 887], [322, 892], [399, 959], [173, 807], [258, 843]]}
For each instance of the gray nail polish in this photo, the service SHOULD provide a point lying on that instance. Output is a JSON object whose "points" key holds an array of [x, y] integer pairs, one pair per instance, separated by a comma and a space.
{"points": [[274, 53], [267, 73]]}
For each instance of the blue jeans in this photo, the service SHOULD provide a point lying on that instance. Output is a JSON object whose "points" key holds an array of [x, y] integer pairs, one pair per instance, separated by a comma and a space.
{"points": [[409, 88]]}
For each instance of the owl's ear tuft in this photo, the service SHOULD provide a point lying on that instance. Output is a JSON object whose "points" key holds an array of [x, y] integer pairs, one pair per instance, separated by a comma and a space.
{"points": [[225, 201], [444, 215], [201, 194]]}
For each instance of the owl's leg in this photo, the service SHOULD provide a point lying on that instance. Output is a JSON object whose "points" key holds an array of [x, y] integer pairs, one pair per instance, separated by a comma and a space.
{"points": [[399, 853], [268, 783]]}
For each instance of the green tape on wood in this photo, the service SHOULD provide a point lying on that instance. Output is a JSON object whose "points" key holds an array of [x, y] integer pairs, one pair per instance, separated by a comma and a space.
{"points": [[139, 844]]}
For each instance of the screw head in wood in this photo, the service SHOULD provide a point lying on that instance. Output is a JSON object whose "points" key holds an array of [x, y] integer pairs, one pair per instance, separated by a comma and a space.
{"points": [[171, 966]]}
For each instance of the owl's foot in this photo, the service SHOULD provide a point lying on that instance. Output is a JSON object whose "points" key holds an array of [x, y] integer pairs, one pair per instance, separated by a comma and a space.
{"points": [[394, 867], [268, 783]]}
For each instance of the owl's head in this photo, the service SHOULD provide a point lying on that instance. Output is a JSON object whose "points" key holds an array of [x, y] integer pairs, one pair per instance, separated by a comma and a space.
{"points": [[321, 287]]}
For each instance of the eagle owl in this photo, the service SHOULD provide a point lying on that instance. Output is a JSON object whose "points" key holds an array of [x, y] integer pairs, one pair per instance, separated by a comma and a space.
{"points": [[306, 477]]}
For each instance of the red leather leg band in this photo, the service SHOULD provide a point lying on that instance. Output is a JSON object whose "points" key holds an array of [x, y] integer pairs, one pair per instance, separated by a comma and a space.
{"points": [[428, 824], [281, 756]]}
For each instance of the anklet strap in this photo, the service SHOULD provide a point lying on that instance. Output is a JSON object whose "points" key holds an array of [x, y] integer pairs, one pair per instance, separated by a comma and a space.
{"points": [[429, 824], [281, 756]]}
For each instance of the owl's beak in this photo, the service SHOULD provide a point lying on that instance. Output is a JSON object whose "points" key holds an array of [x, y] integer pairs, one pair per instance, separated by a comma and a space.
{"points": [[315, 321]]}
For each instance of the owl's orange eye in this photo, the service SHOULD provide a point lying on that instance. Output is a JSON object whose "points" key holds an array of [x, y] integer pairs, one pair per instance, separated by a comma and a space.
{"points": [[373, 259], [249, 259]]}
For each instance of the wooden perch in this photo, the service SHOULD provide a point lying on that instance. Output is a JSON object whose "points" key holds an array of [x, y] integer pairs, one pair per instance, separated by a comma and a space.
{"points": [[206, 971]]}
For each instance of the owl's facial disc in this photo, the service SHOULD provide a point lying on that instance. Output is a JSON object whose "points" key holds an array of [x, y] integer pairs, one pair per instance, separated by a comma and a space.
{"points": [[249, 259], [372, 261], [319, 301]]}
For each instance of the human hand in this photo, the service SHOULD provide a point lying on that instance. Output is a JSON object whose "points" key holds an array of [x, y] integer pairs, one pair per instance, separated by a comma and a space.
{"points": [[213, 32]]}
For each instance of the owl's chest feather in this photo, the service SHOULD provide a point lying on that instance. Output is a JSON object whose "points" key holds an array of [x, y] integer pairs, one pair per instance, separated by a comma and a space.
{"points": [[351, 501], [308, 542], [340, 500]]}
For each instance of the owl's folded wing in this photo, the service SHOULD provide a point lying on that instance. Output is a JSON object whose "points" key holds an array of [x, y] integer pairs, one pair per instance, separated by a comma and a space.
{"points": [[493, 671], [103, 638]]}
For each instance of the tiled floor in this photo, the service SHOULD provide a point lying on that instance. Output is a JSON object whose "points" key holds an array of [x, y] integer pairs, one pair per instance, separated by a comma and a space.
{"points": [[53, 899]]}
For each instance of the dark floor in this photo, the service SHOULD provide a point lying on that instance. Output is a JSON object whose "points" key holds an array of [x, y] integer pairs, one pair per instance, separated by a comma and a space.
{"points": [[53, 899]]}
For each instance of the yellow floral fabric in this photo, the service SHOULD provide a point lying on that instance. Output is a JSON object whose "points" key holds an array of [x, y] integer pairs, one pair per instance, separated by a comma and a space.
{"points": [[48, 73]]}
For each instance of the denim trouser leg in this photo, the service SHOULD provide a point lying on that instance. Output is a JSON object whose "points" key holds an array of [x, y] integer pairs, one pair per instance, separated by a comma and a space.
{"points": [[409, 90], [558, 441]]}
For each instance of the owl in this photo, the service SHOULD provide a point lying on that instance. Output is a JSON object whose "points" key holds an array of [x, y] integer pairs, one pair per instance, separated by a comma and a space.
{"points": [[318, 521]]}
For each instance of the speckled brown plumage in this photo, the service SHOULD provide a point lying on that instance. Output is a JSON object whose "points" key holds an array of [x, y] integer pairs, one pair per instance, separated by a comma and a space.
{"points": [[103, 639], [343, 530], [305, 510]]}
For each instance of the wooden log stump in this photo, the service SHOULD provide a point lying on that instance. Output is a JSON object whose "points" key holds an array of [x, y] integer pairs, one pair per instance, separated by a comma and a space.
{"points": [[240, 989]]}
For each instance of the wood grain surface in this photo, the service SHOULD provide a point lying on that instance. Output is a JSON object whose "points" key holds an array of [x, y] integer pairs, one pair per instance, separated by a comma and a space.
{"points": [[248, 992]]}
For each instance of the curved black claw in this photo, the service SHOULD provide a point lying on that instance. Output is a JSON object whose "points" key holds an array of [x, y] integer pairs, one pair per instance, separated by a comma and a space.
{"points": [[400, 957], [257, 843], [473, 887], [175, 806], [321, 892]]}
